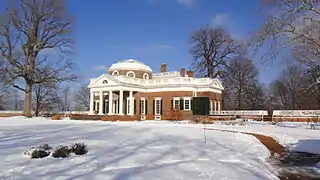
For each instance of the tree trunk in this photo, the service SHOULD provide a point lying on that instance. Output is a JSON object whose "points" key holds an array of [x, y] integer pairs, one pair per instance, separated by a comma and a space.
{"points": [[27, 100], [36, 111]]}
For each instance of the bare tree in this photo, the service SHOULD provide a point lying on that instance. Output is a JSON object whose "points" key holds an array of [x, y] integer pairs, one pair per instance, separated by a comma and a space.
{"points": [[82, 98], [30, 27], [288, 23], [44, 97], [290, 87], [242, 85], [211, 48], [64, 98], [4, 92]]}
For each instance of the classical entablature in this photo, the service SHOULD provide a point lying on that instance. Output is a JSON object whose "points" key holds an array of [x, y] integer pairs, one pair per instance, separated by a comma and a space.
{"points": [[163, 84]]}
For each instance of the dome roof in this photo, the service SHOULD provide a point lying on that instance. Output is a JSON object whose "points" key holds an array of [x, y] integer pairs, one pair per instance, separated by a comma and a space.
{"points": [[130, 64]]}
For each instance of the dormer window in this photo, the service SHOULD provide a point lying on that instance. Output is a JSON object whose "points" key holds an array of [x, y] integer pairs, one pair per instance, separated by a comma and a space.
{"points": [[145, 76], [105, 82], [115, 73], [131, 74]]}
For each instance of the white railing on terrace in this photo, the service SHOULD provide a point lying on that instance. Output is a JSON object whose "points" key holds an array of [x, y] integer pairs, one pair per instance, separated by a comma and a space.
{"points": [[165, 81], [162, 74], [296, 113], [248, 113]]}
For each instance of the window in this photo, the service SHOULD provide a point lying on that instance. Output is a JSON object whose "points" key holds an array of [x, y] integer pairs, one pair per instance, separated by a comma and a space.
{"points": [[145, 76], [187, 103], [143, 106], [158, 106], [115, 73], [104, 82], [131, 74], [176, 103]]}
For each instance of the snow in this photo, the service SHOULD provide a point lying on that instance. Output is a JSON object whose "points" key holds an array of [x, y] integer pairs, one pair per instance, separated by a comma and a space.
{"points": [[296, 136], [131, 150]]}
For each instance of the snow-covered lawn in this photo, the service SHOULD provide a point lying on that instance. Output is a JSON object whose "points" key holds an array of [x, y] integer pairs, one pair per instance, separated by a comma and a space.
{"points": [[294, 136], [132, 150]]}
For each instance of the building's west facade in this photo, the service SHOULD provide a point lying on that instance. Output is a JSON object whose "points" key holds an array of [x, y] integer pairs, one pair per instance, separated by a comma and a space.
{"points": [[131, 88]]}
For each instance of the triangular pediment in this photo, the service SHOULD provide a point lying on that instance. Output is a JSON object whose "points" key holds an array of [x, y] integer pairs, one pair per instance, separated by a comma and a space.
{"points": [[216, 83], [103, 81]]}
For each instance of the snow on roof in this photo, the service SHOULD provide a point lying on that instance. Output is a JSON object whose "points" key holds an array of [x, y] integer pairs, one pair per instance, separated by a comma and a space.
{"points": [[130, 64]]}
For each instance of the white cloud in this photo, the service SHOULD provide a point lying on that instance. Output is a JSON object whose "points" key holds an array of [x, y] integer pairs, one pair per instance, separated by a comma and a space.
{"points": [[221, 20], [186, 2], [183, 2], [100, 67]]}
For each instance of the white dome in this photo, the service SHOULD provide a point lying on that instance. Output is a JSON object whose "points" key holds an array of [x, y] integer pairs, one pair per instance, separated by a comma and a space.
{"points": [[130, 64]]}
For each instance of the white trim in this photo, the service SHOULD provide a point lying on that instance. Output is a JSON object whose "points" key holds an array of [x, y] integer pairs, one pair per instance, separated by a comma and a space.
{"points": [[114, 73], [184, 103], [174, 102], [146, 76], [143, 110], [134, 74], [155, 106], [196, 84]]}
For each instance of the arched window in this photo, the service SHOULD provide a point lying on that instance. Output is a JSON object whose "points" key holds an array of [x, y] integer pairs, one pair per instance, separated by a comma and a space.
{"points": [[145, 76], [131, 74], [115, 73], [104, 82]]}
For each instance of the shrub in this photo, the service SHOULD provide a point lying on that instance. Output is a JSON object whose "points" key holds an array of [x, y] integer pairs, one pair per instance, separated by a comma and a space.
{"points": [[79, 149], [36, 153], [61, 152], [46, 147], [84, 117], [56, 117]]}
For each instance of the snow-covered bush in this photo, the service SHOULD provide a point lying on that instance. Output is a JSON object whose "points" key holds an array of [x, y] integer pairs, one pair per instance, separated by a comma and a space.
{"points": [[45, 147], [79, 149], [61, 152], [37, 153]]}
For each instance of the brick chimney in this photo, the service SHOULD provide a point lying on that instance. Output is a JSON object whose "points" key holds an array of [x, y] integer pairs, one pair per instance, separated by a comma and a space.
{"points": [[163, 68], [182, 72], [190, 73]]}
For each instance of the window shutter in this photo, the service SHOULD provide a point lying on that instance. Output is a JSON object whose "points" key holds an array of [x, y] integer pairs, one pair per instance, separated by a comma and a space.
{"points": [[172, 104], [146, 107], [140, 106], [134, 107], [161, 107], [181, 104], [125, 107], [153, 107], [191, 104], [107, 106], [104, 106]]}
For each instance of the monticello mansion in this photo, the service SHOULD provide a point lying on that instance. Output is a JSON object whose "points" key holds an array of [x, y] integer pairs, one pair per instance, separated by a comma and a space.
{"points": [[131, 88]]}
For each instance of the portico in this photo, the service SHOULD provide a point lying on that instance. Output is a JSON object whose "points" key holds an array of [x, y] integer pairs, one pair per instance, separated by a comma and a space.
{"points": [[112, 102], [130, 88]]}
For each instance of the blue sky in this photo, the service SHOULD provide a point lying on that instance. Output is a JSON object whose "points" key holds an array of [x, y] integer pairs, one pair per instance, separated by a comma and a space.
{"points": [[154, 31]]}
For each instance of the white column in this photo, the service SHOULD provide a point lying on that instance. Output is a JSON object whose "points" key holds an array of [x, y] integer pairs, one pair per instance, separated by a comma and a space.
{"points": [[110, 103], [219, 106], [131, 102], [91, 111], [121, 102], [101, 103]]}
